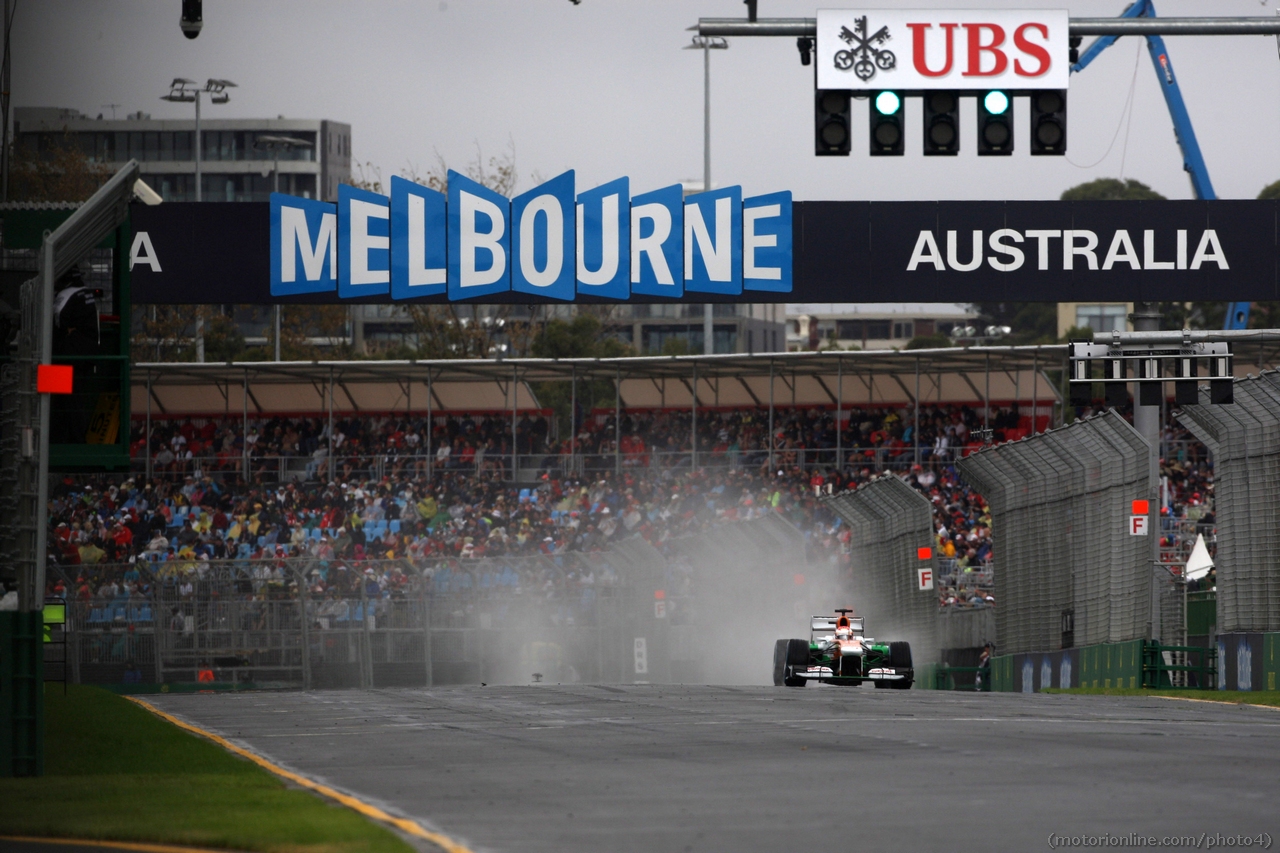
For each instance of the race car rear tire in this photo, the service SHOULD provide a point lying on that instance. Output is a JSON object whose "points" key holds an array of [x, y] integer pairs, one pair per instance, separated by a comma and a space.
{"points": [[797, 656], [779, 662]]}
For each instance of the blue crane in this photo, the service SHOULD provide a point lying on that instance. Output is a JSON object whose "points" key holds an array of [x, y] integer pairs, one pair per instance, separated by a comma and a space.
{"points": [[1192, 160]]}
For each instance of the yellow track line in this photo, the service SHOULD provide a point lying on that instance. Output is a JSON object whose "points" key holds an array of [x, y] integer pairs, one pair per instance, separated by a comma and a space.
{"points": [[370, 811], [1215, 701], [115, 845]]}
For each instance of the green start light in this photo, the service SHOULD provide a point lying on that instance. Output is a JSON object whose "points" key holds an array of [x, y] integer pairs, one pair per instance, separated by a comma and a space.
{"points": [[888, 103], [996, 103]]}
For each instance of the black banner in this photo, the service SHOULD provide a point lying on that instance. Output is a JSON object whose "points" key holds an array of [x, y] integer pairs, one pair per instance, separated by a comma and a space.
{"points": [[950, 251]]}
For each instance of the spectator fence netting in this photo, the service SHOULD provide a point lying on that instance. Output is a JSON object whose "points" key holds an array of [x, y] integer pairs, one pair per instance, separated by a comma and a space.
{"points": [[889, 524], [1244, 440], [1060, 502]]}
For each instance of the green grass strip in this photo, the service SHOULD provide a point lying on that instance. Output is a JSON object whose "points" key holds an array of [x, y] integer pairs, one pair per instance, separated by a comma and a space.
{"points": [[114, 771], [1270, 698]]}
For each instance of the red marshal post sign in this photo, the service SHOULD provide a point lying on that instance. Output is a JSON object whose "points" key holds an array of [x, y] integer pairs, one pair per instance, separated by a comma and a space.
{"points": [[959, 49], [54, 378], [1139, 520]]}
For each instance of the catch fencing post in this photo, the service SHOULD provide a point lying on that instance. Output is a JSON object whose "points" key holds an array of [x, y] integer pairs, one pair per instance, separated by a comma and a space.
{"points": [[244, 427], [839, 413], [617, 422], [431, 462], [915, 426], [515, 445], [306, 629], [770, 436], [693, 431], [426, 628], [147, 449]]}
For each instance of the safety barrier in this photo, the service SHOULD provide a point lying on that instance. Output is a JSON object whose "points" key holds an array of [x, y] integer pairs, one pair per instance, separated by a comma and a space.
{"points": [[1130, 665], [893, 571], [1244, 439], [1248, 661], [21, 694], [1069, 572]]}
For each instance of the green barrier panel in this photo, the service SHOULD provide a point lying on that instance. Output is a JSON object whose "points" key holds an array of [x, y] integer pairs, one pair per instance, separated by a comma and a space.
{"points": [[1002, 674], [1202, 613], [1111, 665], [21, 694]]}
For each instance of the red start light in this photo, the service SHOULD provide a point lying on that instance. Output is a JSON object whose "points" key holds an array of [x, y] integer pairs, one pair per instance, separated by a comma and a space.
{"points": [[1141, 507], [54, 378], [799, 579], [660, 594], [924, 553]]}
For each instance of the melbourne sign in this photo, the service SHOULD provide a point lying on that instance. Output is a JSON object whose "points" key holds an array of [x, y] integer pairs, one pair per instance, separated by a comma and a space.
{"points": [[604, 245], [913, 49], [549, 243]]}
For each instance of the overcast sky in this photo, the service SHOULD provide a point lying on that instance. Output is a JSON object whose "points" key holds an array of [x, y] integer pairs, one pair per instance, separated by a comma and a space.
{"points": [[604, 88]]}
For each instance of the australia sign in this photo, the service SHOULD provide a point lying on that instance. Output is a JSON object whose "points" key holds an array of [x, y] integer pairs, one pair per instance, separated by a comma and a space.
{"points": [[549, 243], [553, 244], [909, 50]]}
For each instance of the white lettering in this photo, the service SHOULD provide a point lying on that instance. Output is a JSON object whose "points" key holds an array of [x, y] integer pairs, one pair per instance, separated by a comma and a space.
{"points": [[547, 205], [142, 252], [609, 243], [1016, 258], [651, 246], [296, 237], [1182, 248], [1115, 255], [975, 260], [362, 242], [1149, 253], [926, 252], [472, 241], [752, 241], [1209, 241], [717, 256], [1070, 249], [419, 274], [1042, 239]]}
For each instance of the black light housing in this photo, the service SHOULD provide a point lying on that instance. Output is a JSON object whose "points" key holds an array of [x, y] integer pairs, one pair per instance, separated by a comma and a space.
{"points": [[192, 17], [941, 123], [1049, 122], [831, 123]]}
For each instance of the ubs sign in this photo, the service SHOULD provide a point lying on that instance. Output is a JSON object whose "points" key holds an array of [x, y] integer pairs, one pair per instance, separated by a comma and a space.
{"points": [[550, 242], [905, 49]]}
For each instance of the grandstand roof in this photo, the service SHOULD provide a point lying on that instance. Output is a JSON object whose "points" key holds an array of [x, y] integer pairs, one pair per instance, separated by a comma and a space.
{"points": [[950, 375]]}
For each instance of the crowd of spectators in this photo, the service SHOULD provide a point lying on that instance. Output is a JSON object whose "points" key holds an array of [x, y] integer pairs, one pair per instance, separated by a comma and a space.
{"points": [[358, 524]]}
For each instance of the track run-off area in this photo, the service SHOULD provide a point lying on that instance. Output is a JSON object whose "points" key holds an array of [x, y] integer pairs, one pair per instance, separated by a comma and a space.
{"points": [[718, 768]]}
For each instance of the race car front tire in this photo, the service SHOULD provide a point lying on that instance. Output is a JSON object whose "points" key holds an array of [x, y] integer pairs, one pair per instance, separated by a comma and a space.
{"points": [[900, 659], [780, 662], [797, 657]]}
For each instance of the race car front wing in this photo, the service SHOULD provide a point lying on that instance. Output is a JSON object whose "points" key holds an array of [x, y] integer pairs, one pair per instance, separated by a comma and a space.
{"points": [[823, 673]]}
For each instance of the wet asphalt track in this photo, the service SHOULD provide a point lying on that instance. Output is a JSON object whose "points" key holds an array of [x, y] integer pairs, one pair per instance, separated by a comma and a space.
{"points": [[697, 768]]}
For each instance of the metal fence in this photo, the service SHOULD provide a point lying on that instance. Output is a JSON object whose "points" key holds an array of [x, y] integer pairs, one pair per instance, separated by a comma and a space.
{"points": [[1244, 439], [890, 523], [625, 615], [1070, 574]]}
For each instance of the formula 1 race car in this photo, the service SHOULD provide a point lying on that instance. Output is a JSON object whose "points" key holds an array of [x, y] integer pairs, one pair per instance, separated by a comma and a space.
{"points": [[838, 653]]}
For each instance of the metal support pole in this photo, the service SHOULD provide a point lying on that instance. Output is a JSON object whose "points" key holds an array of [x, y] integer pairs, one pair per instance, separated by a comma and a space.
{"points": [[693, 428], [839, 413], [366, 656], [426, 630], [770, 437], [199, 150], [1146, 420], [573, 419], [244, 426], [147, 449], [515, 447], [279, 310], [1196, 26], [431, 462], [1035, 388], [617, 422], [986, 395], [915, 423], [305, 621]]}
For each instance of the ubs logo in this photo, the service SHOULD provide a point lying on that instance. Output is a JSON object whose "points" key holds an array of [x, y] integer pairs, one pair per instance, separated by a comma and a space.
{"points": [[866, 52]]}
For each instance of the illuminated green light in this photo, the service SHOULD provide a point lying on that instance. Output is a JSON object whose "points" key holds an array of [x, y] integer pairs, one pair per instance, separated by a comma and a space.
{"points": [[887, 103], [996, 103]]}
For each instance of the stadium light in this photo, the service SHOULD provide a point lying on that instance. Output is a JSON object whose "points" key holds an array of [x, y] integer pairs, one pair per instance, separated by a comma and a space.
{"points": [[185, 91]]}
